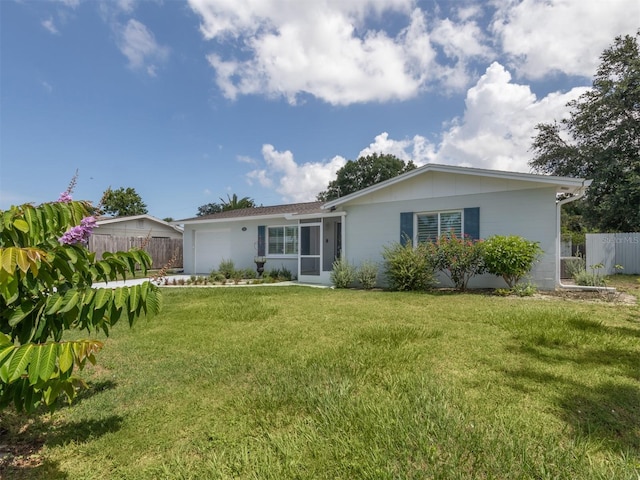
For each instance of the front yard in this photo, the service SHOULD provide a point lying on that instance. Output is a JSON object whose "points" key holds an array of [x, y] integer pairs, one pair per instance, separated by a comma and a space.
{"points": [[295, 382]]}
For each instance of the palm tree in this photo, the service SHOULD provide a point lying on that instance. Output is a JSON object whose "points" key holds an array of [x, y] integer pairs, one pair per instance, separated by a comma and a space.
{"points": [[234, 203]]}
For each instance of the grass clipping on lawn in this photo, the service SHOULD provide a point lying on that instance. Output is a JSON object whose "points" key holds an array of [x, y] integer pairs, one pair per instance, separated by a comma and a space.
{"points": [[284, 383]]}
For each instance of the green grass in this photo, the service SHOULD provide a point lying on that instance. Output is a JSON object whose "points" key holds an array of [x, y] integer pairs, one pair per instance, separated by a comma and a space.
{"points": [[301, 383]]}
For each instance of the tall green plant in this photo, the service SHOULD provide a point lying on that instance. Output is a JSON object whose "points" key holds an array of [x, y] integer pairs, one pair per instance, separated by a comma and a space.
{"points": [[510, 257], [409, 268], [46, 277]]}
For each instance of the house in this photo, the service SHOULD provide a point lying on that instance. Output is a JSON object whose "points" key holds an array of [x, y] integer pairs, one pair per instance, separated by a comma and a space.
{"points": [[420, 205], [137, 226], [160, 239]]}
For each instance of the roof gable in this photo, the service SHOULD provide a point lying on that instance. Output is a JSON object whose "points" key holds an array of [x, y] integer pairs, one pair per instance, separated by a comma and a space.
{"points": [[515, 180]]}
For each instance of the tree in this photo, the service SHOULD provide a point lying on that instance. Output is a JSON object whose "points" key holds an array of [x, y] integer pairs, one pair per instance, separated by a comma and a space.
{"points": [[123, 202], [208, 209], [600, 140], [46, 277], [364, 172], [235, 203]]}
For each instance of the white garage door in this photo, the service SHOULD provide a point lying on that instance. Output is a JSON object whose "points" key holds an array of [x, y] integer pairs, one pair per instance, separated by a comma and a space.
{"points": [[212, 246]]}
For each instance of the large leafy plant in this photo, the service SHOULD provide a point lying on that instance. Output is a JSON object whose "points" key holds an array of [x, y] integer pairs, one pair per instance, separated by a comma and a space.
{"points": [[46, 278]]}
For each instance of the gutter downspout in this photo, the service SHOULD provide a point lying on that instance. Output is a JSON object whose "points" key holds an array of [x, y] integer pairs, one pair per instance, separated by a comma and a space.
{"points": [[559, 205]]}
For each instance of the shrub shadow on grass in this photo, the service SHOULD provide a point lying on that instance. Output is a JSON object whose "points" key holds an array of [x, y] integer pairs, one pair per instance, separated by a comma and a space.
{"points": [[22, 442], [83, 430], [610, 412], [94, 388]]}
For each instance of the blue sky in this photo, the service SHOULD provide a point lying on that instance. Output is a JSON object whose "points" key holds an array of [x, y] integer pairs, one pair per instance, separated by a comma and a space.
{"points": [[188, 101]]}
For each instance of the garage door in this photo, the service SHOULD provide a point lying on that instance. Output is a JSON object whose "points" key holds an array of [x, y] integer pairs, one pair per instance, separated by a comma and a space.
{"points": [[212, 246]]}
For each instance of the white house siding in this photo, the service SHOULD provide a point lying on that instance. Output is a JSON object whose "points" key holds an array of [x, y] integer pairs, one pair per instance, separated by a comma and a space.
{"points": [[531, 213], [137, 228], [230, 243]]}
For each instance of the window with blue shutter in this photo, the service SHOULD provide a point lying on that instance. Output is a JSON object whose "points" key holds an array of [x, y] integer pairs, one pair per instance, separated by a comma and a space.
{"points": [[261, 240], [406, 227], [472, 222]]}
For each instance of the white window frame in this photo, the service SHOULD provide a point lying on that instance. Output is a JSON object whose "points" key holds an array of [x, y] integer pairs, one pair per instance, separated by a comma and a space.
{"points": [[438, 213], [284, 244]]}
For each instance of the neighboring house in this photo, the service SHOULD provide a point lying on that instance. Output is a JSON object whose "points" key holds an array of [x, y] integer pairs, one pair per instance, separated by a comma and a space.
{"points": [[160, 239], [420, 205], [137, 226]]}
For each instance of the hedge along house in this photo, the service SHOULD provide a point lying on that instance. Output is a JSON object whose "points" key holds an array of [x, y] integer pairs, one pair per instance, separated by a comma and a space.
{"points": [[419, 205]]}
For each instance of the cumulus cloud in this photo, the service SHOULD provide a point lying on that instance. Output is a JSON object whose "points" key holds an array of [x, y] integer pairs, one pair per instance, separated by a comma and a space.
{"points": [[418, 149], [495, 130], [296, 183], [326, 49], [139, 45], [565, 36]]}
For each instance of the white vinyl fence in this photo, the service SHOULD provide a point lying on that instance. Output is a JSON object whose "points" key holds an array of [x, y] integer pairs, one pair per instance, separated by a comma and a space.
{"points": [[611, 249]]}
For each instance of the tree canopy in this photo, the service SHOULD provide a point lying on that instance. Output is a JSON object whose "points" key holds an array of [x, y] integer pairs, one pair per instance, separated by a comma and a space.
{"points": [[208, 209], [123, 202], [231, 203], [600, 140], [364, 172]]}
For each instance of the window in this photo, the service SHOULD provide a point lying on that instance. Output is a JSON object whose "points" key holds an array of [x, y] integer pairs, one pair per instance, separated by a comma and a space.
{"points": [[430, 226], [282, 240]]}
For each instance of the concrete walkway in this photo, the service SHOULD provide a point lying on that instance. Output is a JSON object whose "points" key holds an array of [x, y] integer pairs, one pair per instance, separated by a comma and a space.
{"points": [[137, 281]]}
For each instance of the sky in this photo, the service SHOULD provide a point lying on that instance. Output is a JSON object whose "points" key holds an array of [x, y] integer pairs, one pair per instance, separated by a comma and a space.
{"points": [[188, 101]]}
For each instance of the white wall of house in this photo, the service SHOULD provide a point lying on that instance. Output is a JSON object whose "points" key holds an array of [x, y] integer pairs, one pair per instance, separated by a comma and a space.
{"points": [[140, 227], [207, 244], [373, 221]]}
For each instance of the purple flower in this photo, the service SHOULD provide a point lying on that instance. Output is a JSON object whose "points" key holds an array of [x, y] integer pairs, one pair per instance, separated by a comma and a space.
{"points": [[79, 233], [65, 197]]}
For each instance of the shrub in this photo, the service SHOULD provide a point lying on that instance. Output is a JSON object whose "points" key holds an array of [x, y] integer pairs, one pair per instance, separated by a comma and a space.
{"points": [[459, 258], [367, 274], [408, 268], [510, 257], [249, 273], [216, 276], [227, 268], [282, 274], [342, 274]]}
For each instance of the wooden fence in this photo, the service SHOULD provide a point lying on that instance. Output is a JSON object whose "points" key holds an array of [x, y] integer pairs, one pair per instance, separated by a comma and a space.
{"points": [[161, 249], [611, 249]]}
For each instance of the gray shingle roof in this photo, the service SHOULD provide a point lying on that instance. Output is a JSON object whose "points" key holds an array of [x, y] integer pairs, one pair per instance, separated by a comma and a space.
{"points": [[288, 209]]}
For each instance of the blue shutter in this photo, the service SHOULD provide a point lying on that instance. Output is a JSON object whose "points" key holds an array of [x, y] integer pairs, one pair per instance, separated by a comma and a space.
{"points": [[262, 235], [472, 222], [406, 227]]}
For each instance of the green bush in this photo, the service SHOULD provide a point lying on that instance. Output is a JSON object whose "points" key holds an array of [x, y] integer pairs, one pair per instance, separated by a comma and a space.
{"points": [[510, 257], [367, 275], [227, 268], [459, 258], [408, 268], [216, 276], [281, 274], [343, 274]]}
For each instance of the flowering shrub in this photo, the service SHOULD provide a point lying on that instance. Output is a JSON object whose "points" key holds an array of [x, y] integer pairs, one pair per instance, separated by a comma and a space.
{"points": [[459, 258], [46, 277], [79, 233]]}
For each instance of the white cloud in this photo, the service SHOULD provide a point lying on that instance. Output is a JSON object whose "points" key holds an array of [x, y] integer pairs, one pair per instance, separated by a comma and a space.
{"points": [[139, 45], [562, 35], [495, 131], [296, 183], [49, 25], [246, 159], [417, 149], [325, 49]]}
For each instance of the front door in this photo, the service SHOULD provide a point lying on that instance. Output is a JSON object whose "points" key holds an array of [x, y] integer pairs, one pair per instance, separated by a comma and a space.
{"points": [[310, 258]]}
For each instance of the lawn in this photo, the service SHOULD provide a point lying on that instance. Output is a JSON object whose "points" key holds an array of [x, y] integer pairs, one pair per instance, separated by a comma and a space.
{"points": [[304, 383]]}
